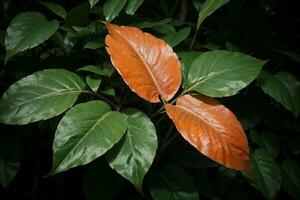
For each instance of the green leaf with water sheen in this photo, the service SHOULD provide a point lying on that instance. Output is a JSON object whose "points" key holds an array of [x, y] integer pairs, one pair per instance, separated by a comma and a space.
{"points": [[284, 88], [112, 8], [133, 5], [134, 154], [176, 38], [208, 8], [40, 96], [291, 179], [55, 8], [28, 30], [172, 183], [222, 73], [266, 173], [86, 132]]}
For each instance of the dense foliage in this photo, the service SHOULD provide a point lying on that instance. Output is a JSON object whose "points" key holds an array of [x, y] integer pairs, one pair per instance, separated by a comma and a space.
{"points": [[149, 99]]}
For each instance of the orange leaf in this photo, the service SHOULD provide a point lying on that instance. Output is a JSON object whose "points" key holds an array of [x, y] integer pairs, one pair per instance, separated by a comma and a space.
{"points": [[147, 64], [212, 129]]}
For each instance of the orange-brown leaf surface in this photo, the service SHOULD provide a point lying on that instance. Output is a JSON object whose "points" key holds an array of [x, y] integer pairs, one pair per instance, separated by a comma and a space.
{"points": [[212, 129], [147, 64]]}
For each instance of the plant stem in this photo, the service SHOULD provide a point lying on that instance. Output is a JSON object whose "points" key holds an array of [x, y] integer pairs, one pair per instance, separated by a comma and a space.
{"points": [[99, 96]]}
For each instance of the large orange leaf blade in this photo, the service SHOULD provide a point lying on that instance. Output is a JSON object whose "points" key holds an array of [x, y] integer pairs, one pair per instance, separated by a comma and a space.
{"points": [[147, 64], [212, 129]]}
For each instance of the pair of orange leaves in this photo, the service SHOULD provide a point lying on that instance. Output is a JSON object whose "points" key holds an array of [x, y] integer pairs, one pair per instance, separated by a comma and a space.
{"points": [[151, 69]]}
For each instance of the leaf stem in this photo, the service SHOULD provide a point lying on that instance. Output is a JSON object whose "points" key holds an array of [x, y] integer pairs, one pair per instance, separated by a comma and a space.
{"points": [[99, 96]]}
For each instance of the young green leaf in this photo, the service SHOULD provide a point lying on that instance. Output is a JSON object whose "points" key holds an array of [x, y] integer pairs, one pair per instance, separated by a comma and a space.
{"points": [[55, 8], [108, 91], [93, 45], [40, 96], [266, 173], [28, 30], [172, 183], [291, 180], [222, 73], [186, 59], [127, 157], [93, 82], [174, 39], [284, 88], [86, 132], [208, 8], [112, 8], [266, 140], [97, 70], [133, 5], [93, 3]]}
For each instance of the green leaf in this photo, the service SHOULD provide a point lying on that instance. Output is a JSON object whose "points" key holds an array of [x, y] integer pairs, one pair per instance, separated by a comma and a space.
{"points": [[97, 70], [93, 82], [55, 8], [98, 181], [112, 8], [28, 30], [208, 8], [86, 132], [292, 55], [10, 155], [291, 179], [134, 154], [174, 39], [146, 24], [284, 88], [266, 140], [266, 173], [222, 73], [93, 3], [133, 5], [108, 91], [224, 179], [40, 96], [187, 58], [78, 16], [93, 45], [172, 183]]}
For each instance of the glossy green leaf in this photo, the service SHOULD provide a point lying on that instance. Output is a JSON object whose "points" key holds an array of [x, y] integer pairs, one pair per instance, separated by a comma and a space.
{"points": [[112, 8], [93, 3], [86, 132], [97, 70], [55, 8], [108, 91], [284, 88], [134, 154], [266, 140], [133, 5], [222, 73], [10, 155], [28, 30], [266, 173], [291, 179], [208, 8], [93, 45], [101, 182], [172, 183], [93, 82], [42, 95], [186, 59], [174, 39], [294, 56]]}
